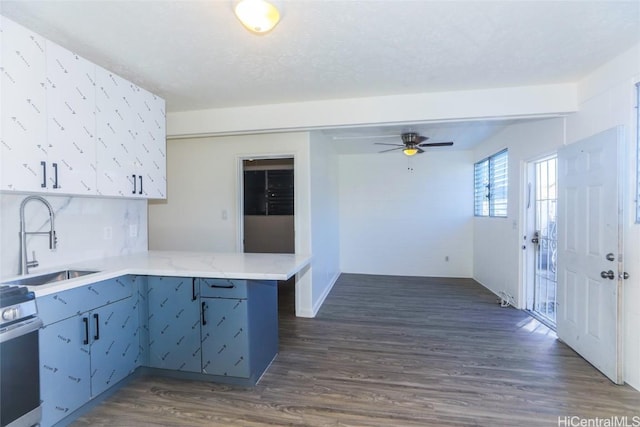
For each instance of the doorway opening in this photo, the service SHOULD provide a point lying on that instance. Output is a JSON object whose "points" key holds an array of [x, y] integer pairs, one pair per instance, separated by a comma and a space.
{"points": [[542, 279], [268, 224]]}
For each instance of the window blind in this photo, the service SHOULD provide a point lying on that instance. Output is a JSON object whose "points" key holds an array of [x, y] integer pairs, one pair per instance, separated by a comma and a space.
{"points": [[481, 188], [638, 153], [498, 183], [491, 185]]}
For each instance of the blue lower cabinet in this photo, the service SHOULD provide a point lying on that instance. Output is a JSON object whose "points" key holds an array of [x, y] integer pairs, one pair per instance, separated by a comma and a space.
{"points": [[115, 344], [239, 335], [65, 382], [225, 337], [84, 354], [174, 323]]}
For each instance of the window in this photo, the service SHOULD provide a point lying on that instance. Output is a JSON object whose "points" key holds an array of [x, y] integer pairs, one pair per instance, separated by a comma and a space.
{"points": [[268, 192], [638, 153], [490, 184]]}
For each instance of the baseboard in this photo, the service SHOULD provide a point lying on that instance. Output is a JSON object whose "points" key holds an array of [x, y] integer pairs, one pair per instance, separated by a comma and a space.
{"points": [[512, 301], [323, 297]]}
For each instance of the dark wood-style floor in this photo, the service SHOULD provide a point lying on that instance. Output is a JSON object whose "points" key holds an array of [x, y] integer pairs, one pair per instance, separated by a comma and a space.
{"points": [[392, 351]]}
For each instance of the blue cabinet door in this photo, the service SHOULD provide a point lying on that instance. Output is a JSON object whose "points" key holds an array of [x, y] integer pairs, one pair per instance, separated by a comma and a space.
{"points": [[74, 365], [114, 346], [174, 323], [65, 382], [225, 337]]}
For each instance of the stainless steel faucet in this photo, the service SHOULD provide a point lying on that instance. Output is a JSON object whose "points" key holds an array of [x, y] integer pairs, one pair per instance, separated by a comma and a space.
{"points": [[24, 263]]}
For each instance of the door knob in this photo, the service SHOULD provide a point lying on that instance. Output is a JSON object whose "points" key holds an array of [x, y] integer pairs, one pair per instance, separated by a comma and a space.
{"points": [[536, 237], [624, 275], [608, 274]]}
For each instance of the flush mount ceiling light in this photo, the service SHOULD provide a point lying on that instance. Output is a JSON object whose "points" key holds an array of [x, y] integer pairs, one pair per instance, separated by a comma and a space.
{"points": [[258, 16]]}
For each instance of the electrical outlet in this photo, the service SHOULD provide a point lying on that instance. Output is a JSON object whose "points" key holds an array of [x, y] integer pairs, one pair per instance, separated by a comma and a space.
{"points": [[107, 233], [133, 230]]}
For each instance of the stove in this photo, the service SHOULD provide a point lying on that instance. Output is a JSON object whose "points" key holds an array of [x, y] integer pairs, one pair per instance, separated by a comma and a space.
{"points": [[16, 303], [19, 357]]}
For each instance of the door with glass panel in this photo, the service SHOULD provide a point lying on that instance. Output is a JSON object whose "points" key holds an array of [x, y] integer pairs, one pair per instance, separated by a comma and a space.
{"points": [[544, 241]]}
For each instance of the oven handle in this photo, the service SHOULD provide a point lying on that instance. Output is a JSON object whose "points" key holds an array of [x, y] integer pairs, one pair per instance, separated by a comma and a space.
{"points": [[22, 328]]}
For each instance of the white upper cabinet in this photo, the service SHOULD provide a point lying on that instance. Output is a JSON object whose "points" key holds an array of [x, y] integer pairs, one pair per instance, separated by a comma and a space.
{"points": [[23, 145], [71, 121], [131, 139], [72, 127], [152, 147], [116, 135]]}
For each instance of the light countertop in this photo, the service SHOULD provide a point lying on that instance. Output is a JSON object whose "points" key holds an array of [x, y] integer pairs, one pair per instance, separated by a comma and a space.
{"points": [[179, 264]]}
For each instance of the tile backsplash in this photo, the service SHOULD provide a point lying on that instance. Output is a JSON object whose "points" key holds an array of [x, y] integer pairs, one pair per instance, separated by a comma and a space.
{"points": [[86, 227]]}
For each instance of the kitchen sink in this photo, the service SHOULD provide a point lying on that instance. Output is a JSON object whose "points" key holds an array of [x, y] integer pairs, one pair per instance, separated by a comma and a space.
{"points": [[47, 278]]}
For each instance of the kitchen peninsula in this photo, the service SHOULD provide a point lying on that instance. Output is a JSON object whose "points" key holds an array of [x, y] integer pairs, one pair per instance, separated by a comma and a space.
{"points": [[193, 315], [211, 265]]}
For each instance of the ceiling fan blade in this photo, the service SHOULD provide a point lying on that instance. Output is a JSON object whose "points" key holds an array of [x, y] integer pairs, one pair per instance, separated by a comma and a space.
{"points": [[338, 138], [420, 150], [420, 139], [436, 144], [384, 143], [391, 149]]}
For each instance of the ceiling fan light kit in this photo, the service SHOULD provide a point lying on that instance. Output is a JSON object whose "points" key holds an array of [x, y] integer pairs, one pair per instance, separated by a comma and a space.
{"points": [[258, 16], [410, 151], [411, 143]]}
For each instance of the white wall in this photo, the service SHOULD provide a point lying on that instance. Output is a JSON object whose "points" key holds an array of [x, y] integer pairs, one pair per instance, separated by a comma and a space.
{"points": [[325, 227], [397, 221], [606, 99], [525, 101], [202, 210], [497, 242], [80, 224]]}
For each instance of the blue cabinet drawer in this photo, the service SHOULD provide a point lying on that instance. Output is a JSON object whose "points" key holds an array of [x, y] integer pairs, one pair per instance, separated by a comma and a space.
{"points": [[62, 305], [223, 288]]}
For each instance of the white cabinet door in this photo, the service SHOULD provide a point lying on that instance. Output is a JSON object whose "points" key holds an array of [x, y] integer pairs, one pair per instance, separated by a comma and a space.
{"points": [[71, 121], [116, 133], [23, 137], [150, 133], [131, 145]]}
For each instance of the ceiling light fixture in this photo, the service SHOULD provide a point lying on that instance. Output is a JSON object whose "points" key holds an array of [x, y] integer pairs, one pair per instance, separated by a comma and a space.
{"points": [[258, 16], [410, 150]]}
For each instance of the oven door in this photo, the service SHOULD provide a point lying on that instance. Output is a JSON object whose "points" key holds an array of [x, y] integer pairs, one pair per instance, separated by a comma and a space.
{"points": [[20, 373]]}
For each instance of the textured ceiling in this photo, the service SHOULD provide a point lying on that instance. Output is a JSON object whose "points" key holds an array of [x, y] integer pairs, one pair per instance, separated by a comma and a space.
{"points": [[196, 54]]}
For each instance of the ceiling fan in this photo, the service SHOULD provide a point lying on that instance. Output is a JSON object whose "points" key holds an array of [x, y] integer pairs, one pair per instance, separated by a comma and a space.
{"points": [[412, 143]]}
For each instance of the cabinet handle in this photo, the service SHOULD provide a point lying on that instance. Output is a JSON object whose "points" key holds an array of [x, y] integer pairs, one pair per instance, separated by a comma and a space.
{"points": [[204, 308], [134, 184], [140, 176], [222, 286], [44, 175], [86, 330], [193, 289], [97, 335], [55, 176]]}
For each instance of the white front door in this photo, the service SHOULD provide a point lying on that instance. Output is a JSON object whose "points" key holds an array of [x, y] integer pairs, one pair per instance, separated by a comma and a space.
{"points": [[590, 250]]}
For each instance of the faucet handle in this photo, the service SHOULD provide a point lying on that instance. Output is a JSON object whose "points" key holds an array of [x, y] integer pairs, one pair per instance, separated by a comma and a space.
{"points": [[53, 240], [33, 263]]}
